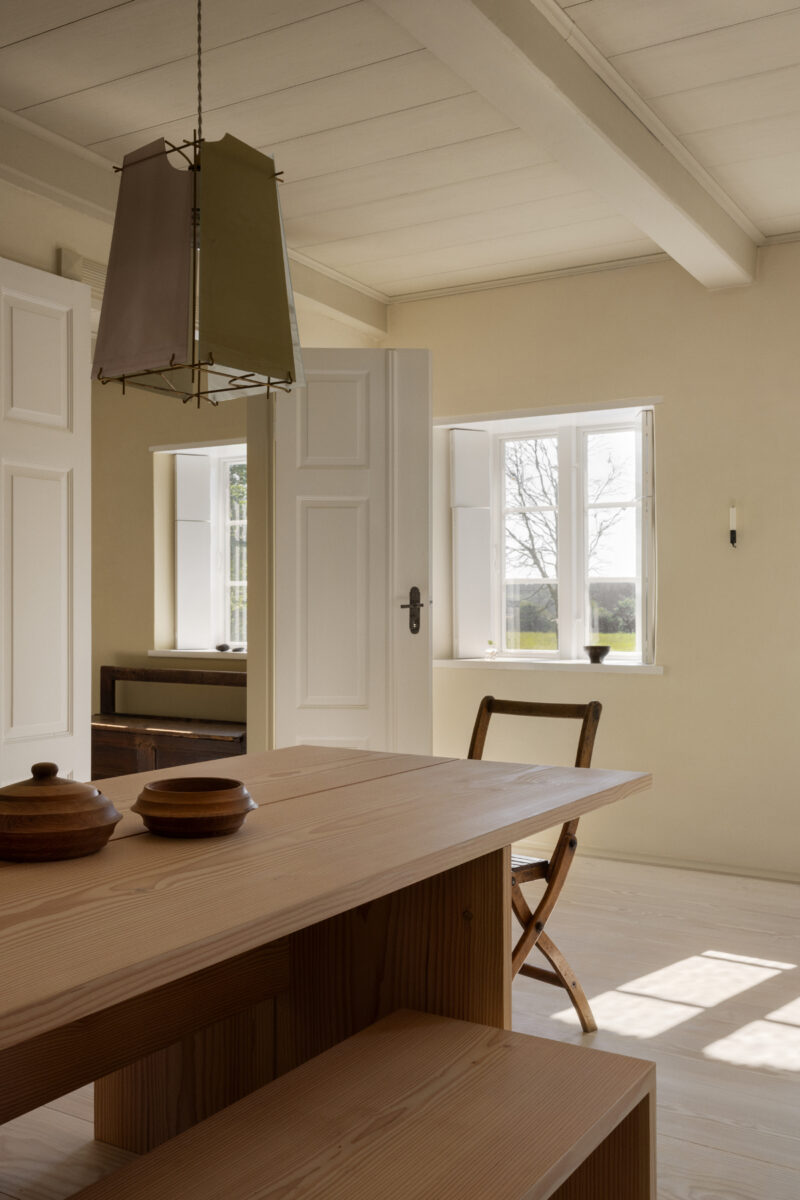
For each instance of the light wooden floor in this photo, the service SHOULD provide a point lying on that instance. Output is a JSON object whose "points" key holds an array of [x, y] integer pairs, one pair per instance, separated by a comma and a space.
{"points": [[699, 972], [663, 956]]}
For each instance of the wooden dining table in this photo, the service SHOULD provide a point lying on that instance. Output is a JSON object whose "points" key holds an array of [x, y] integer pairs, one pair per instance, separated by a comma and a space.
{"points": [[183, 974]]}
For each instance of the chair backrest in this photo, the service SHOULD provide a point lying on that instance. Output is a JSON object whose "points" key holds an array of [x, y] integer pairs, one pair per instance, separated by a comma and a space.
{"points": [[587, 714]]}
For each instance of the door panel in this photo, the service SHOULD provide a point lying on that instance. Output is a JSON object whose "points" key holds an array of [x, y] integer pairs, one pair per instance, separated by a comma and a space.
{"points": [[333, 594], [45, 548], [38, 676], [351, 537], [36, 352]]}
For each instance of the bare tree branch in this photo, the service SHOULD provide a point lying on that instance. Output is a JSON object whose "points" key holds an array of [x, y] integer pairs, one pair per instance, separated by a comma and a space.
{"points": [[532, 486]]}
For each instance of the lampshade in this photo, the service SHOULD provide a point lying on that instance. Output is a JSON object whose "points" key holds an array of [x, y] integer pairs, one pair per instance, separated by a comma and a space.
{"points": [[198, 300]]}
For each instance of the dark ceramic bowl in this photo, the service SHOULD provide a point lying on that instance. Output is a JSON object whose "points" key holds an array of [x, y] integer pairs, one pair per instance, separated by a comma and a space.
{"points": [[194, 806], [596, 653]]}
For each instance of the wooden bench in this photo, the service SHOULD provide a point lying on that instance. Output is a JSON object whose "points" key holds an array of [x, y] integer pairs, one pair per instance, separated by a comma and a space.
{"points": [[418, 1107], [123, 743]]}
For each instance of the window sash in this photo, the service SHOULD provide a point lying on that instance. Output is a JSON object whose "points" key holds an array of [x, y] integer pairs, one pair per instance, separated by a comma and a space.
{"points": [[501, 634], [584, 433]]}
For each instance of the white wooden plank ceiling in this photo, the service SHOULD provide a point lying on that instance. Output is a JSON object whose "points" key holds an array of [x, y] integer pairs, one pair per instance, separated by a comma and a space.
{"points": [[724, 75], [399, 175]]}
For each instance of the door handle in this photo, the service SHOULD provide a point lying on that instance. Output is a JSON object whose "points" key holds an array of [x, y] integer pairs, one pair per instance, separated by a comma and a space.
{"points": [[413, 606]]}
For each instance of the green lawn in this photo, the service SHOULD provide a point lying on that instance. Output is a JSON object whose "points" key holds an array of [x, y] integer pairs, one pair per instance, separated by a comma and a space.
{"points": [[531, 641], [549, 641], [619, 641]]}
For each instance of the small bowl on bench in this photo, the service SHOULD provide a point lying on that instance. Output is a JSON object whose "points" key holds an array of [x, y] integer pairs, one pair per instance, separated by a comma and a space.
{"points": [[194, 806]]}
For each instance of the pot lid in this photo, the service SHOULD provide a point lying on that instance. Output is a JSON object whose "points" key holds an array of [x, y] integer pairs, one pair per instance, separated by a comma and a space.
{"points": [[46, 784]]}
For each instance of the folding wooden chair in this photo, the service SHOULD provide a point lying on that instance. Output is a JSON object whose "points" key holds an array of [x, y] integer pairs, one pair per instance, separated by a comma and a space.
{"points": [[553, 870]]}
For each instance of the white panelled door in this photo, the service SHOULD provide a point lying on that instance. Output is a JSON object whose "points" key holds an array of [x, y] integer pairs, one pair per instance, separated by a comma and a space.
{"points": [[45, 523], [352, 538]]}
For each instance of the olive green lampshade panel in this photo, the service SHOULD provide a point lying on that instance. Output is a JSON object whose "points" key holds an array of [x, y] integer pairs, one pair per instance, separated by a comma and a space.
{"points": [[146, 315], [246, 306]]}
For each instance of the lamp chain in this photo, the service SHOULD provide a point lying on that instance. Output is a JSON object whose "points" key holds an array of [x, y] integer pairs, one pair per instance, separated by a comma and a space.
{"points": [[199, 70]]}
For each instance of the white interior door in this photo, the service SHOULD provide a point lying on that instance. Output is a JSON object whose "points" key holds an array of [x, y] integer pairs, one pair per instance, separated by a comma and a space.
{"points": [[45, 523], [352, 537]]}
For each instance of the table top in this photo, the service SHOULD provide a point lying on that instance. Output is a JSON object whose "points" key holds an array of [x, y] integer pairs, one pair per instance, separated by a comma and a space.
{"points": [[335, 828]]}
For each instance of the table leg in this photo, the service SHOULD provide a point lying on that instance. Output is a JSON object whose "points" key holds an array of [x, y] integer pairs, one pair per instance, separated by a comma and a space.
{"points": [[441, 946]]}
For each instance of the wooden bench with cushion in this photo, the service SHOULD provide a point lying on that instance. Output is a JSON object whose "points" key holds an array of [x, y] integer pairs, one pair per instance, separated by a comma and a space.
{"points": [[418, 1106], [123, 743]]}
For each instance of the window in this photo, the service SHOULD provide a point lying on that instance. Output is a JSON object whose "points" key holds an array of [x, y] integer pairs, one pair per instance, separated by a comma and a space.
{"points": [[210, 547], [233, 527], [562, 529]]}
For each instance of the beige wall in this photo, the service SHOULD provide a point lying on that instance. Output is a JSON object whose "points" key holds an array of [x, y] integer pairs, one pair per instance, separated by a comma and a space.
{"points": [[125, 621], [33, 227], [124, 428], [718, 728]]}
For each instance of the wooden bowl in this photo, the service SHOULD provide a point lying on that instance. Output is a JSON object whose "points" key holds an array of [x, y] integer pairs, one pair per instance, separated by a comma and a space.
{"points": [[194, 806], [46, 818]]}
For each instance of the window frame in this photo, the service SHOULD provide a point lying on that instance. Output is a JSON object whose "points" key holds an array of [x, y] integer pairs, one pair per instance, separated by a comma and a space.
{"points": [[499, 630], [199, 538], [571, 431]]}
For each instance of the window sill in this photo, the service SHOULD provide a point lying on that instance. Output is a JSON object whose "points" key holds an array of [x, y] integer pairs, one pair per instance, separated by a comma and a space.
{"points": [[239, 654], [563, 664]]}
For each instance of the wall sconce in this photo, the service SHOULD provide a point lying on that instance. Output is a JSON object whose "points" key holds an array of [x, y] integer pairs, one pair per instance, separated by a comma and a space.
{"points": [[732, 524]]}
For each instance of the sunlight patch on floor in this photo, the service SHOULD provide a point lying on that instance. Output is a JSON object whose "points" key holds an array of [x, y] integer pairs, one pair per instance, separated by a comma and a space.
{"points": [[633, 1016], [769, 1044], [745, 958], [654, 1003], [788, 1013], [702, 979]]}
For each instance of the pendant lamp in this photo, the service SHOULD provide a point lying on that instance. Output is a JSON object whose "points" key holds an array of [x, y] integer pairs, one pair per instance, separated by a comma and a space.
{"points": [[198, 299]]}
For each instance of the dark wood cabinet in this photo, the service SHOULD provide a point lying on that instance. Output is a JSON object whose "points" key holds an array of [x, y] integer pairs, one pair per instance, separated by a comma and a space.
{"points": [[124, 743]]}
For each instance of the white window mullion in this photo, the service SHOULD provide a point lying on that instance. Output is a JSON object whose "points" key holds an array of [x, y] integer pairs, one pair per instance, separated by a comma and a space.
{"points": [[639, 557], [580, 585], [566, 548], [231, 528], [498, 616], [648, 538], [218, 589]]}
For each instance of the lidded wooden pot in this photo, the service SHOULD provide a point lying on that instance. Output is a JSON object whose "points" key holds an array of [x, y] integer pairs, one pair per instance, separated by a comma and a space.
{"points": [[46, 817]]}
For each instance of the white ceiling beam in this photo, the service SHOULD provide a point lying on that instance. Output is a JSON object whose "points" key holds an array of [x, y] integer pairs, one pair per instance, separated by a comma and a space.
{"points": [[49, 165], [336, 296], [514, 57]]}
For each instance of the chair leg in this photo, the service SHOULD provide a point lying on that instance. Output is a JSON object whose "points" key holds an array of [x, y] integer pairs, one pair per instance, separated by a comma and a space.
{"points": [[562, 972], [531, 931], [568, 981], [520, 906]]}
